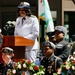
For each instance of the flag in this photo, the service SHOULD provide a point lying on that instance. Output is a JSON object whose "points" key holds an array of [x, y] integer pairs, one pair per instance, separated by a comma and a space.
{"points": [[45, 14]]}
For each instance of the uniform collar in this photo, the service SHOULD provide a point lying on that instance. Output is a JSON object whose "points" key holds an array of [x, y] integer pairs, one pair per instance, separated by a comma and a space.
{"points": [[9, 61], [26, 17], [51, 57]]}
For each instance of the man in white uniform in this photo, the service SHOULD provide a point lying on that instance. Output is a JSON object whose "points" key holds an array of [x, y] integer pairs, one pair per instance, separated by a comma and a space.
{"points": [[27, 26]]}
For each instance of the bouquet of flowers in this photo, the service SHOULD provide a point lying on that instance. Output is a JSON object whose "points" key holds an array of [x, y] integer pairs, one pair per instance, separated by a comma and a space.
{"points": [[26, 65], [9, 24], [68, 68], [9, 27]]}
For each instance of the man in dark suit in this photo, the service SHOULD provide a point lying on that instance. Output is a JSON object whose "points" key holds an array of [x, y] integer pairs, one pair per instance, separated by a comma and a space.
{"points": [[7, 54]]}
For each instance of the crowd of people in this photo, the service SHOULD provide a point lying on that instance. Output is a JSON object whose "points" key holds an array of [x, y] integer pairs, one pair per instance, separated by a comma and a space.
{"points": [[54, 52]]}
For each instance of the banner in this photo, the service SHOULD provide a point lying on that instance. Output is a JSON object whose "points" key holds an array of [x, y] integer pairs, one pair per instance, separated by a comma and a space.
{"points": [[45, 14]]}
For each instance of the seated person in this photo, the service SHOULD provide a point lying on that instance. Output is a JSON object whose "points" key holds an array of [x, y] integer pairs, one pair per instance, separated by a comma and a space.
{"points": [[7, 54], [50, 61]]}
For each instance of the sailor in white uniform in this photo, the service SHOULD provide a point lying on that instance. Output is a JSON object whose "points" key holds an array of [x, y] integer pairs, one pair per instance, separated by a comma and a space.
{"points": [[27, 26]]}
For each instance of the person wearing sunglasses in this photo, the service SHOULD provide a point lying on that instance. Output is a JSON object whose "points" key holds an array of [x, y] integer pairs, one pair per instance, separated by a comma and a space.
{"points": [[7, 64], [27, 26]]}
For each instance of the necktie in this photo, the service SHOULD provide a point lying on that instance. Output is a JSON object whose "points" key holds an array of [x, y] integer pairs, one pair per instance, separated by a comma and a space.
{"points": [[23, 19]]}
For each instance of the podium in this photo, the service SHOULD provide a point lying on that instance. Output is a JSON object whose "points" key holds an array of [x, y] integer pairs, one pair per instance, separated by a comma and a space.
{"points": [[18, 43]]}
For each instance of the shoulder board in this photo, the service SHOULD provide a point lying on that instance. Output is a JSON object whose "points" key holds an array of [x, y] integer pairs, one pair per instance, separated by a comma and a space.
{"points": [[64, 42], [33, 16]]}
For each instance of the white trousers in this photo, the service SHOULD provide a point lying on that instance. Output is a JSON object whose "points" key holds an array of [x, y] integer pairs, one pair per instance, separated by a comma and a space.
{"points": [[31, 55]]}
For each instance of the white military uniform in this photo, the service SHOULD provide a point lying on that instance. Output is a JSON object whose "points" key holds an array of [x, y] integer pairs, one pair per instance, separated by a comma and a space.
{"points": [[28, 29]]}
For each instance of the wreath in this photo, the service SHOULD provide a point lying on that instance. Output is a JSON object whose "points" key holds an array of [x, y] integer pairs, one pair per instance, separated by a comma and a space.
{"points": [[68, 68], [26, 66]]}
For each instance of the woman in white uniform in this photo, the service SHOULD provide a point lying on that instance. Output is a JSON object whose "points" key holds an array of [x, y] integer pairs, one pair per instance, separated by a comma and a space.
{"points": [[27, 26]]}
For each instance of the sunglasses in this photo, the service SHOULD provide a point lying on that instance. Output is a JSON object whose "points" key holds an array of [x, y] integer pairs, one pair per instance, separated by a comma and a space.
{"points": [[21, 12]]}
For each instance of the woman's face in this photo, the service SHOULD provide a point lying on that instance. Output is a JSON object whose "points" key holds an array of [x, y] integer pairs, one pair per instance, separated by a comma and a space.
{"points": [[22, 12]]}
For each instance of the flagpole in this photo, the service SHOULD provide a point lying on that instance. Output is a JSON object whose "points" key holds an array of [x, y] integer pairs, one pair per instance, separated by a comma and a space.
{"points": [[39, 26]]}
